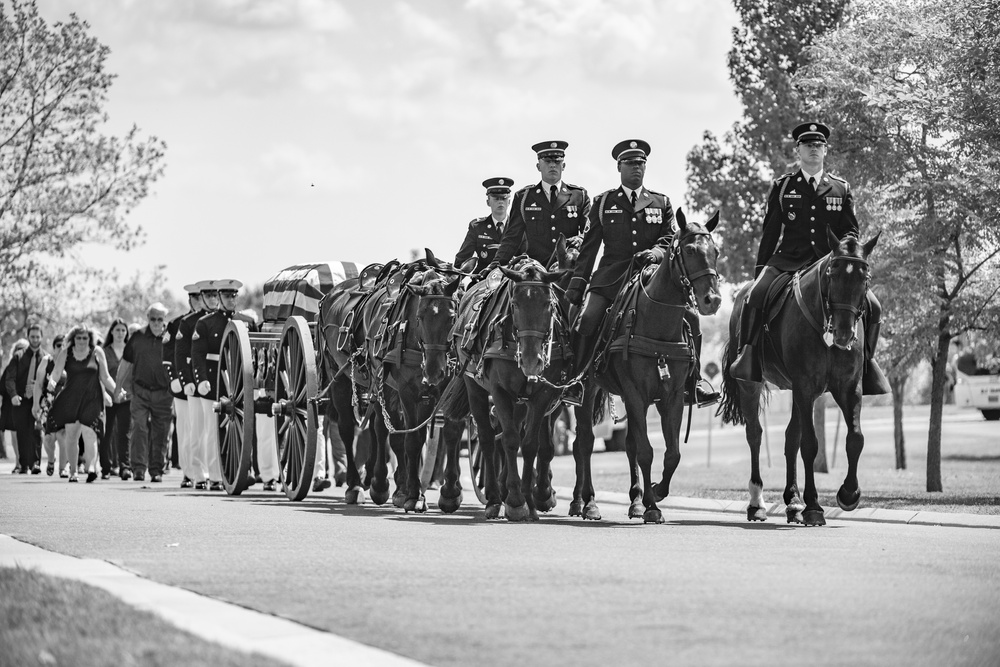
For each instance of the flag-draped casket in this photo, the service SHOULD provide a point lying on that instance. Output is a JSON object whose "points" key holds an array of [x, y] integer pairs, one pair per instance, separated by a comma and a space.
{"points": [[298, 289]]}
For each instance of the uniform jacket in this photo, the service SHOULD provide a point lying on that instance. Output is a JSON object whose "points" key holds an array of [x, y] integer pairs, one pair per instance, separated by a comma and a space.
{"points": [[624, 231], [182, 346], [206, 342], [169, 347], [799, 218], [483, 232], [534, 219]]}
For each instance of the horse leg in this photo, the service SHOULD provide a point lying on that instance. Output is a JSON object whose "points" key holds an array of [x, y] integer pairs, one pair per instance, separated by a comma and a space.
{"points": [[450, 495], [636, 406], [793, 436], [543, 494], [671, 415], [378, 459], [813, 513], [479, 405], [413, 446], [397, 443], [584, 504], [849, 494], [515, 504], [342, 410], [750, 400]]}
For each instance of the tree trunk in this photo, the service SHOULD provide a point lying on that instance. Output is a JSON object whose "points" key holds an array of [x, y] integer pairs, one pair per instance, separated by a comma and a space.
{"points": [[898, 385], [819, 422], [938, 378]]}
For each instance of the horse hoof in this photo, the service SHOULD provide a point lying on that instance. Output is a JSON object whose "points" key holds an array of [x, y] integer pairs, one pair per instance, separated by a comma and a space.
{"points": [[659, 494], [814, 517], [379, 497], [492, 512], [418, 505], [355, 496], [635, 510], [793, 515], [547, 504], [652, 515], [516, 513], [591, 513], [576, 507], [398, 498], [450, 505], [756, 513], [848, 501], [532, 514]]}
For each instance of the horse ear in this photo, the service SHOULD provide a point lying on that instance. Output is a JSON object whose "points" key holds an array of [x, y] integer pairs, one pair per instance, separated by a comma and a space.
{"points": [[713, 222], [682, 220], [561, 250], [430, 258], [553, 276], [870, 245], [452, 286], [516, 276], [832, 239], [468, 265]]}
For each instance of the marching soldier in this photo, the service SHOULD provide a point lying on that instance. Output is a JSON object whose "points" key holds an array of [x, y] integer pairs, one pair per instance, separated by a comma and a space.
{"points": [[206, 343], [539, 213], [182, 417], [483, 237], [630, 221], [801, 206], [208, 299]]}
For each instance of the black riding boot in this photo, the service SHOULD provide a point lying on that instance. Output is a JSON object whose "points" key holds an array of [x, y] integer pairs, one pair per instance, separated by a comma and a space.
{"points": [[698, 390], [746, 366], [873, 380], [582, 352]]}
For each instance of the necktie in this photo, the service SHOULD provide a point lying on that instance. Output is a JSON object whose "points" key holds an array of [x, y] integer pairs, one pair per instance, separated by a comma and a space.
{"points": [[812, 183], [30, 384], [552, 195], [633, 199]]}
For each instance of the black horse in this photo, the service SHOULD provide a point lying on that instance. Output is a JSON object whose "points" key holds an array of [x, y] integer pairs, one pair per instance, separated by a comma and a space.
{"points": [[810, 346], [649, 355]]}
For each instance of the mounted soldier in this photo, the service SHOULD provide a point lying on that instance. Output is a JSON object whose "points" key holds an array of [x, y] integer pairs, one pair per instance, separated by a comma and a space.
{"points": [[483, 237], [636, 227], [801, 206]]}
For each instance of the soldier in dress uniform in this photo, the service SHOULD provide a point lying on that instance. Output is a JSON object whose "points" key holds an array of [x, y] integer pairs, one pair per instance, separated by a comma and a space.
{"points": [[631, 221], [801, 206], [208, 299], [206, 343], [483, 237], [182, 417], [539, 213]]}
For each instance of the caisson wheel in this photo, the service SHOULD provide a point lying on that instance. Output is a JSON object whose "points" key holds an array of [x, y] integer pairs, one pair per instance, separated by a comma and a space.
{"points": [[476, 462], [294, 418], [235, 407]]}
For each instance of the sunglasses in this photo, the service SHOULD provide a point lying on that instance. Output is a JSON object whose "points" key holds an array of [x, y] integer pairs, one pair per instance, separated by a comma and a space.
{"points": [[155, 319]]}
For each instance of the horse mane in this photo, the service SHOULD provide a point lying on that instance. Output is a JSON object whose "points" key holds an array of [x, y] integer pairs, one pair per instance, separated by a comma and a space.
{"points": [[851, 245]]}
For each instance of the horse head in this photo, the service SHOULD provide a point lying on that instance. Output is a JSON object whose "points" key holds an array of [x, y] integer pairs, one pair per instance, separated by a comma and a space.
{"points": [[845, 285], [435, 317], [532, 311], [698, 255]]}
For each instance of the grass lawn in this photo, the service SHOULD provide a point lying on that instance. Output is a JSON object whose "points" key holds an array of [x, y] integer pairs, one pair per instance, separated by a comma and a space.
{"points": [[52, 621]]}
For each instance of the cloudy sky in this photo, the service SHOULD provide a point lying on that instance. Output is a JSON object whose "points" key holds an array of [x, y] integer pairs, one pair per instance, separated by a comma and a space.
{"points": [[307, 130]]}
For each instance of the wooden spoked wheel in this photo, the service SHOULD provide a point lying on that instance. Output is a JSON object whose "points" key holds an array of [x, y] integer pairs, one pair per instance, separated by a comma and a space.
{"points": [[476, 462], [235, 408], [294, 417]]}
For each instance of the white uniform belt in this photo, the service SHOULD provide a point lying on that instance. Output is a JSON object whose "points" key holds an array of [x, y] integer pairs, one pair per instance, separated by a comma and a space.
{"points": [[212, 357]]}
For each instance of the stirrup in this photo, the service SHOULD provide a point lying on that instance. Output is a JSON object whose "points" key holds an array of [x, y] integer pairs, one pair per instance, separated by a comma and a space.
{"points": [[573, 394]]}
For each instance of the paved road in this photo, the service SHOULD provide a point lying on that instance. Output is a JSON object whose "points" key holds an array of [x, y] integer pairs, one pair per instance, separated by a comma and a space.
{"points": [[703, 589]]}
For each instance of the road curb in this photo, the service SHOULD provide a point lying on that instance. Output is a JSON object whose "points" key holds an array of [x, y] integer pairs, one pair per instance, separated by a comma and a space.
{"points": [[228, 624], [778, 510]]}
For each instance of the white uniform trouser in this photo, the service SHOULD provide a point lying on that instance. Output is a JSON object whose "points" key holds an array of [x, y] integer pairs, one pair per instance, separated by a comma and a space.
{"points": [[185, 439], [196, 433], [267, 449], [209, 440]]}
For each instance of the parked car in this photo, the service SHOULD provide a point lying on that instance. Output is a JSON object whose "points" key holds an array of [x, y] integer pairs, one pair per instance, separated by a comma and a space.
{"points": [[979, 391]]}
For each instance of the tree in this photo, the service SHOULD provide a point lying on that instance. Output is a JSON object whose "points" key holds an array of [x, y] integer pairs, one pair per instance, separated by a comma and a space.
{"points": [[914, 86], [734, 176], [62, 181]]}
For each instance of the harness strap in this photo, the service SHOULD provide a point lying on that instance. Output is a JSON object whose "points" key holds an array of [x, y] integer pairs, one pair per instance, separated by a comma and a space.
{"points": [[803, 306]]}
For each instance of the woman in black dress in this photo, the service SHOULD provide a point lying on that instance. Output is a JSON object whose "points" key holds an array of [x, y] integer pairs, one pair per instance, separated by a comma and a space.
{"points": [[79, 407]]}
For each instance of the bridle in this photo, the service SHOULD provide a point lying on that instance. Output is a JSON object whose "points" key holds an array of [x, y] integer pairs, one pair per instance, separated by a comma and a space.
{"points": [[684, 275], [425, 347], [831, 306], [544, 336]]}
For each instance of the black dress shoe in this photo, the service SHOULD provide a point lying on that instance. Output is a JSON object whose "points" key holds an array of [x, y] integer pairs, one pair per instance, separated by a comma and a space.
{"points": [[186, 483], [201, 486], [156, 479], [216, 486], [73, 479], [91, 476], [270, 485], [36, 470], [140, 477], [105, 475], [320, 483], [126, 474]]}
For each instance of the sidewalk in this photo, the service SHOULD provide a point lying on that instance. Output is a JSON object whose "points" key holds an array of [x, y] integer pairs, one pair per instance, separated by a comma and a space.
{"points": [[220, 622]]}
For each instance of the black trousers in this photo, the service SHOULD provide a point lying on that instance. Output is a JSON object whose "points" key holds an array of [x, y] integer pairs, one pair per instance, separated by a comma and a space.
{"points": [[29, 439], [115, 445]]}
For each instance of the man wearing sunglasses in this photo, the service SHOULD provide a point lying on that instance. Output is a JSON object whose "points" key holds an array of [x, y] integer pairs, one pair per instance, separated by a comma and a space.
{"points": [[143, 379]]}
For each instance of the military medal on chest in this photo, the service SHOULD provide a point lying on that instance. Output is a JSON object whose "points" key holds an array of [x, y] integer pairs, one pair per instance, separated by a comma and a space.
{"points": [[571, 211], [834, 203], [654, 216]]}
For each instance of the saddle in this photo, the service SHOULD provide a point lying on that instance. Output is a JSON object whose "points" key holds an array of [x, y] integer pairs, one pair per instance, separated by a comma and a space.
{"points": [[617, 330]]}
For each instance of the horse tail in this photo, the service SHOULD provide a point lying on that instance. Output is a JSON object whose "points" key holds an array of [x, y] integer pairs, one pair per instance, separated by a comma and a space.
{"points": [[600, 405], [730, 409], [455, 402]]}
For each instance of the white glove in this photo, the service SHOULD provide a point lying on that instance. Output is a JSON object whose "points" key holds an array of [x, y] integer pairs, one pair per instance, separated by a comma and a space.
{"points": [[204, 387], [52, 385], [16, 401], [175, 386], [189, 389]]}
